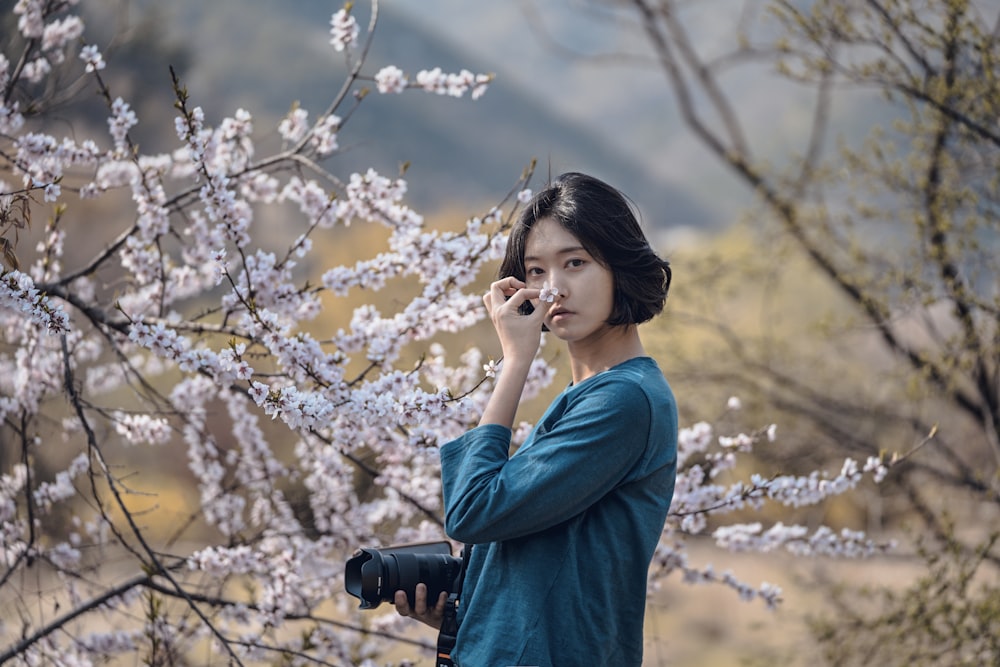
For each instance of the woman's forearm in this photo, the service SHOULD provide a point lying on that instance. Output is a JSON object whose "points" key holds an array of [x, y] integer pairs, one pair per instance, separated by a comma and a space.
{"points": [[502, 405]]}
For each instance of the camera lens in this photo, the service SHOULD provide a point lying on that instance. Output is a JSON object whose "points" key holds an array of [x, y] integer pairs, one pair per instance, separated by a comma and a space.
{"points": [[363, 577], [374, 575]]}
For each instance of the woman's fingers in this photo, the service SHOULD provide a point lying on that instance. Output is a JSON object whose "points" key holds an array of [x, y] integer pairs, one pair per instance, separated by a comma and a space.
{"points": [[519, 333], [402, 604], [420, 609], [508, 293], [501, 290]]}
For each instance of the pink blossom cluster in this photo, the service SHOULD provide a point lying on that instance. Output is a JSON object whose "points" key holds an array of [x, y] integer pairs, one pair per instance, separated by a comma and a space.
{"points": [[454, 85], [796, 539], [43, 159], [704, 458], [697, 495], [201, 344], [391, 79], [671, 558], [19, 294]]}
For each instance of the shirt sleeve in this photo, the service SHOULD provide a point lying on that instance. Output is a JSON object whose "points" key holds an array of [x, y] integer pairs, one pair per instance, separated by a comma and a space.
{"points": [[571, 463]]}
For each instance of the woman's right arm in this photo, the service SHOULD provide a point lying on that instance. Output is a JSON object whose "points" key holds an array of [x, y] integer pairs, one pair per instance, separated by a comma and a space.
{"points": [[578, 458], [520, 336]]}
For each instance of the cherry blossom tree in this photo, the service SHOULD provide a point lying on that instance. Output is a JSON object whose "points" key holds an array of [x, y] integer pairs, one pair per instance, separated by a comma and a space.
{"points": [[188, 336]]}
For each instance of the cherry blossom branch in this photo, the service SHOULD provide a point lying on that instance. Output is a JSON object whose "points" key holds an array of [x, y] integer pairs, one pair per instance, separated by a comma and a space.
{"points": [[153, 563], [223, 602], [76, 612], [25, 554]]}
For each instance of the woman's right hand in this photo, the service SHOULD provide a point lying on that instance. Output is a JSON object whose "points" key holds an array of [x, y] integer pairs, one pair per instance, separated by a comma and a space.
{"points": [[520, 335]]}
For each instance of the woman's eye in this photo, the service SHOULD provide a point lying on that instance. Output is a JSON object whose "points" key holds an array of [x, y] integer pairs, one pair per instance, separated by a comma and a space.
{"points": [[575, 262], [534, 271]]}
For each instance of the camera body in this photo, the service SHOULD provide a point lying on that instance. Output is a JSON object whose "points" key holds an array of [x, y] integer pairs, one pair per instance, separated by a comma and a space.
{"points": [[373, 575]]}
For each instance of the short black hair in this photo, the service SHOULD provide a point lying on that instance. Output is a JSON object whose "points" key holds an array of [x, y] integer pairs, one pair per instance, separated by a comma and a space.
{"points": [[603, 220]]}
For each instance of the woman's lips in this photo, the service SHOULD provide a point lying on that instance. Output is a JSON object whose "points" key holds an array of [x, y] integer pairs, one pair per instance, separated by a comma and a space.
{"points": [[559, 313]]}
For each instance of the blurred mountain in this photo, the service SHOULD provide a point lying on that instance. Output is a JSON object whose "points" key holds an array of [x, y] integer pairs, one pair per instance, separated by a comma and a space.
{"points": [[264, 55]]}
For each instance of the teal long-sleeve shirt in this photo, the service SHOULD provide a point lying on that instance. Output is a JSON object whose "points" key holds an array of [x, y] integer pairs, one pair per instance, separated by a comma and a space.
{"points": [[566, 527]]}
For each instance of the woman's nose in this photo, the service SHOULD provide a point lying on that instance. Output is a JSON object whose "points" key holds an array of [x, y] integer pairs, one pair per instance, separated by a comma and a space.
{"points": [[558, 285]]}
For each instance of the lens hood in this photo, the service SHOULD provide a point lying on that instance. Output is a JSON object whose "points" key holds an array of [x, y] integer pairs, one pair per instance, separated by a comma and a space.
{"points": [[373, 575]]}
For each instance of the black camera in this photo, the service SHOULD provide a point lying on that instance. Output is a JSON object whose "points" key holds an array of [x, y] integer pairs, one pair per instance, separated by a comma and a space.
{"points": [[374, 575]]}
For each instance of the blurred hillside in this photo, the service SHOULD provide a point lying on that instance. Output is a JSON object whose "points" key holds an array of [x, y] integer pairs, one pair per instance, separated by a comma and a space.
{"points": [[264, 55]]}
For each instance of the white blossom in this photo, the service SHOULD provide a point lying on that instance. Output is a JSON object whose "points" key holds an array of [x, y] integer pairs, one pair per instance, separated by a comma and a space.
{"points": [[31, 22], [57, 33], [548, 294], [37, 69], [324, 135], [92, 57], [344, 31], [391, 79], [454, 84], [295, 125], [18, 291]]}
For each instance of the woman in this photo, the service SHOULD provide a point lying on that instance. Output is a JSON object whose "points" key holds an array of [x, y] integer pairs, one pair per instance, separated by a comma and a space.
{"points": [[564, 529]]}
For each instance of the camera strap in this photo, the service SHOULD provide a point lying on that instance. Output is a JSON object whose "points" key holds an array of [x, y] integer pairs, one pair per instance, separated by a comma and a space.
{"points": [[449, 622]]}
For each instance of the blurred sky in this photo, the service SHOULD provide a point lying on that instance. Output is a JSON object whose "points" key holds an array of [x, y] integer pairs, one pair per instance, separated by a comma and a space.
{"points": [[593, 64]]}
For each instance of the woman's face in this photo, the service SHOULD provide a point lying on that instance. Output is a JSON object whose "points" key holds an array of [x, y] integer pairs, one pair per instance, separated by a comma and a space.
{"points": [[555, 258]]}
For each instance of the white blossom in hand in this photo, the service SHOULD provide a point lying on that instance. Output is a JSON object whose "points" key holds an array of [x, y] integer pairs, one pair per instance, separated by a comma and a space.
{"points": [[548, 294]]}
